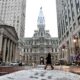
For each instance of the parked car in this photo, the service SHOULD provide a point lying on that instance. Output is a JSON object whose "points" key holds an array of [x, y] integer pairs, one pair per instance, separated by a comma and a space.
{"points": [[62, 62], [14, 64], [57, 63]]}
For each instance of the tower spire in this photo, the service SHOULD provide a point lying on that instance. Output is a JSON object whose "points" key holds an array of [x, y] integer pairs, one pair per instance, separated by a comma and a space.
{"points": [[41, 20]]}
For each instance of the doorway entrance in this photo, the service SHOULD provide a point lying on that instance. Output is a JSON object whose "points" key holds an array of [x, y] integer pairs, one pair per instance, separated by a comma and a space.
{"points": [[41, 60]]}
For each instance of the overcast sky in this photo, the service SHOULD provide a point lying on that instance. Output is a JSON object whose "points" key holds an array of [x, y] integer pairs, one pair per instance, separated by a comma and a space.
{"points": [[32, 12]]}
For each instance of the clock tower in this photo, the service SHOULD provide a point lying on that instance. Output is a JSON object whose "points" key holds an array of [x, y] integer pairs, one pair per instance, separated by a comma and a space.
{"points": [[41, 21]]}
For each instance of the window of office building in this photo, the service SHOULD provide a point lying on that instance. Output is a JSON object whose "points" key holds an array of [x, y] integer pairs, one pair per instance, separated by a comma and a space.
{"points": [[74, 25], [69, 20], [71, 3], [79, 20], [73, 15], [77, 6], [67, 33], [79, 34], [71, 29]]}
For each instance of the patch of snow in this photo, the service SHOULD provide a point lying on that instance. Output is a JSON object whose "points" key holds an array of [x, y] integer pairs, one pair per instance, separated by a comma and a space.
{"points": [[40, 74]]}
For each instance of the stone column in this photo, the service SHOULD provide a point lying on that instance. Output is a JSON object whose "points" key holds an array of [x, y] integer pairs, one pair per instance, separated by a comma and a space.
{"points": [[4, 50], [16, 53], [1, 41], [8, 50], [13, 52]]}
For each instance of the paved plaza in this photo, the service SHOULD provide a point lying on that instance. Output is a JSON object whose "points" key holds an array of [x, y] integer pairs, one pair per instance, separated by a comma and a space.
{"points": [[38, 73], [10, 69]]}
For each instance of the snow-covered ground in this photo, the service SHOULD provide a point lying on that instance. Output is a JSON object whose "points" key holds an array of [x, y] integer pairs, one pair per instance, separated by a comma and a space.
{"points": [[40, 74]]}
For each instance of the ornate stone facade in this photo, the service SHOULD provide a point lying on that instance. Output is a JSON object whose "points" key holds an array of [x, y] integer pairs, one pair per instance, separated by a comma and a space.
{"points": [[8, 44], [37, 47]]}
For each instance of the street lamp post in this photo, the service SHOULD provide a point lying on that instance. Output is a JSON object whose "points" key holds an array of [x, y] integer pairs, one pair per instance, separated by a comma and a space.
{"points": [[76, 47], [63, 54]]}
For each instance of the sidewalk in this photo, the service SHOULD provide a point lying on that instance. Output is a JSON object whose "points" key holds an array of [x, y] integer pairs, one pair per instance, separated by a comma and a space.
{"points": [[74, 69], [10, 69]]}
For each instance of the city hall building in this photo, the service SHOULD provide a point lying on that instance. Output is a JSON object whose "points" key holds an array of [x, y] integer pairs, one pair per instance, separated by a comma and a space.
{"points": [[37, 47]]}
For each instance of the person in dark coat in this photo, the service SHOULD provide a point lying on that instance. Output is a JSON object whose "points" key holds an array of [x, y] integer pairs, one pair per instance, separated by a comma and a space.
{"points": [[48, 61], [78, 59]]}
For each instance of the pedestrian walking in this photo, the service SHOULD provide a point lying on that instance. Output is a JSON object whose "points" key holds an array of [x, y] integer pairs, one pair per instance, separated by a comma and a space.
{"points": [[48, 61]]}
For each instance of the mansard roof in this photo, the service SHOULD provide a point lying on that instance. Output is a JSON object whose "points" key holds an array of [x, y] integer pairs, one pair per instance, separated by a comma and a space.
{"points": [[46, 34]]}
